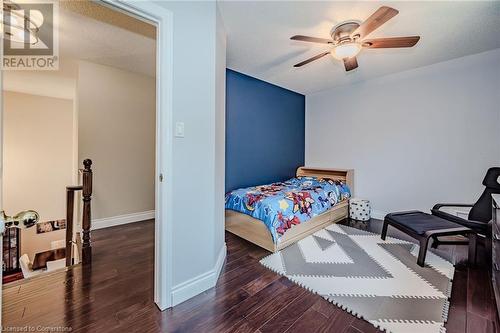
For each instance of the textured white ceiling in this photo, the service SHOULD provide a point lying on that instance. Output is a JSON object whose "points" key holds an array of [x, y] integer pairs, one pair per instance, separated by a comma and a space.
{"points": [[88, 39], [258, 35], [84, 38]]}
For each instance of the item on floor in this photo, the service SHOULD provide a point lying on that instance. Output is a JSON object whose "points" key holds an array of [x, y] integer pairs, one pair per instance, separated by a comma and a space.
{"points": [[26, 267], [359, 209], [278, 214], [479, 214], [22, 220], [376, 280], [423, 227], [11, 247], [41, 258], [53, 265], [49, 226]]}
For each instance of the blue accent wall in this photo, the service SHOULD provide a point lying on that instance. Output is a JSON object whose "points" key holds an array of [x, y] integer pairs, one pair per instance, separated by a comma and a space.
{"points": [[265, 131]]}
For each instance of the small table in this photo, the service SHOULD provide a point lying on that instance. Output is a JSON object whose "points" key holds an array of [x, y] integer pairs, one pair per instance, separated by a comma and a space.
{"points": [[41, 258], [422, 227]]}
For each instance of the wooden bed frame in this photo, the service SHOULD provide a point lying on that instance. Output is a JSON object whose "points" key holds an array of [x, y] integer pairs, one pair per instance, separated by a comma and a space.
{"points": [[255, 231]]}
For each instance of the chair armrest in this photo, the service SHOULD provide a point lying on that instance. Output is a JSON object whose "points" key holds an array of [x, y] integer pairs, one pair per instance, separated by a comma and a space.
{"points": [[475, 225], [440, 205]]}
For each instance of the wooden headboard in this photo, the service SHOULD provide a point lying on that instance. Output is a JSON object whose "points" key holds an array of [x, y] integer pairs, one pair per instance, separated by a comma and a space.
{"points": [[345, 175]]}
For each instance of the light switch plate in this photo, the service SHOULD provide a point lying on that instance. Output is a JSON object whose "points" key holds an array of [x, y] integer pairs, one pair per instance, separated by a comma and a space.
{"points": [[179, 129]]}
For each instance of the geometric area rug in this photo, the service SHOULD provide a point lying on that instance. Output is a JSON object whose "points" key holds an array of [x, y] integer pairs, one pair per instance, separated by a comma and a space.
{"points": [[378, 281]]}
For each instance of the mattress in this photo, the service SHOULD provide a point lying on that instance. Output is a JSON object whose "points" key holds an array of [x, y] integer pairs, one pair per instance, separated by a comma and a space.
{"points": [[282, 205]]}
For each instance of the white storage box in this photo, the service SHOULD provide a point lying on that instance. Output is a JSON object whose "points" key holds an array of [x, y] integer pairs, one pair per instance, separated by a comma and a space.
{"points": [[359, 209]]}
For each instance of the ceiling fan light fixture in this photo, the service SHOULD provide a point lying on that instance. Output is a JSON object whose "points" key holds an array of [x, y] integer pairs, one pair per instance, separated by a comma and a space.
{"points": [[346, 50], [348, 38]]}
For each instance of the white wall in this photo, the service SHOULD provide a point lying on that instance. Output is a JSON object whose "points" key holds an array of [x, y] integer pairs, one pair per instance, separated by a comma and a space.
{"points": [[414, 138], [197, 216], [38, 161], [116, 129], [40, 83], [58, 84], [197, 210]]}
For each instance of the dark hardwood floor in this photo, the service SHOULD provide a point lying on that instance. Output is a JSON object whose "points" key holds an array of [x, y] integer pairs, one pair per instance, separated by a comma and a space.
{"points": [[116, 295]]}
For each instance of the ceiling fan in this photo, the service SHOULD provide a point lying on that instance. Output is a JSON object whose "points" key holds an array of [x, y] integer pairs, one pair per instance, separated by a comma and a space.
{"points": [[348, 39]]}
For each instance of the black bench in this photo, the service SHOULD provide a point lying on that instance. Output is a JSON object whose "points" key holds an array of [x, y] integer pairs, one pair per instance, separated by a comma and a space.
{"points": [[422, 227]]}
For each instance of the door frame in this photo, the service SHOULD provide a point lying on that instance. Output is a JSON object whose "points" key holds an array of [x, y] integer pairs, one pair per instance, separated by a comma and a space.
{"points": [[163, 19]]}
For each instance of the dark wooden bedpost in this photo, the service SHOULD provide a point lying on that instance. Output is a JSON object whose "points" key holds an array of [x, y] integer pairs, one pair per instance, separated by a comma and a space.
{"points": [[86, 222]]}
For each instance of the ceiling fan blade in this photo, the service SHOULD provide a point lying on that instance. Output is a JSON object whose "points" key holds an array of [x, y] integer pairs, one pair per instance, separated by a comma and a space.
{"points": [[312, 39], [311, 59], [378, 43], [382, 15], [350, 63]]}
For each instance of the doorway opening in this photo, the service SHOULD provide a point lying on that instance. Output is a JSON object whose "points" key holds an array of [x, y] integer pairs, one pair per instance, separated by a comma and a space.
{"points": [[107, 86]]}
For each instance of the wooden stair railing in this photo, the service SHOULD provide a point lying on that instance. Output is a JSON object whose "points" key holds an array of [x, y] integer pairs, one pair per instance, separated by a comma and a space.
{"points": [[86, 189]]}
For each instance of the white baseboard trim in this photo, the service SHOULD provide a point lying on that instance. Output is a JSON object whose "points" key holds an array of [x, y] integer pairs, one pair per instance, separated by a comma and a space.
{"points": [[377, 214], [200, 283], [122, 219], [220, 262]]}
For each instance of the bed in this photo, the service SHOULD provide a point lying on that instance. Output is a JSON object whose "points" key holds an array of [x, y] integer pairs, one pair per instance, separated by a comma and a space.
{"points": [[248, 222]]}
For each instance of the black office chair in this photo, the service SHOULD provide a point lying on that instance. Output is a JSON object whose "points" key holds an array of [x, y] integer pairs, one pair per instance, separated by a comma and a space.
{"points": [[480, 214]]}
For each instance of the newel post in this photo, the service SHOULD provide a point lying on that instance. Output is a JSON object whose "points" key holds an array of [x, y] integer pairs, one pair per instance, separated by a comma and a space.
{"points": [[86, 219]]}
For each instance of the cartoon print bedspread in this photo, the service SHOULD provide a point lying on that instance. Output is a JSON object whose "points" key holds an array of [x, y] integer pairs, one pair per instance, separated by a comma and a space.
{"points": [[284, 204]]}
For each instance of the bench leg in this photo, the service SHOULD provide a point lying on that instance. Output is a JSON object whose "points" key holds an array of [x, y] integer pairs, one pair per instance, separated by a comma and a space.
{"points": [[384, 229], [472, 249], [435, 242], [423, 251]]}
